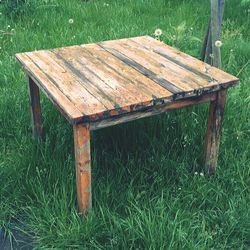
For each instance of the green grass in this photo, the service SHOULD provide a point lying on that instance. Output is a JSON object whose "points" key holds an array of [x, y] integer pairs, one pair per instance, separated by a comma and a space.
{"points": [[145, 191]]}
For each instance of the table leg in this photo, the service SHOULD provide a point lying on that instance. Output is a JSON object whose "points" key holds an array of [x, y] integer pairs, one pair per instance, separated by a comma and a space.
{"points": [[35, 108], [83, 166], [212, 141]]}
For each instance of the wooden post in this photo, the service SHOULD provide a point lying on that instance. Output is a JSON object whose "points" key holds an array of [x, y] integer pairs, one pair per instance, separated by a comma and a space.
{"points": [[216, 109], [207, 46], [213, 134], [213, 32], [35, 109], [83, 166]]}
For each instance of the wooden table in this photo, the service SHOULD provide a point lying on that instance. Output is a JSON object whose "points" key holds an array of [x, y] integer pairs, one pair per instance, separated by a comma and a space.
{"points": [[103, 84]]}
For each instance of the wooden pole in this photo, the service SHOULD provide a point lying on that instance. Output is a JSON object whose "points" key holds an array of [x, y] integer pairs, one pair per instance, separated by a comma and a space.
{"points": [[216, 109], [213, 34]]}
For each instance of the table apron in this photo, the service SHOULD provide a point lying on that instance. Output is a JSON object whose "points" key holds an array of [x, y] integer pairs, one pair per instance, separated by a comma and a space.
{"points": [[154, 110]]}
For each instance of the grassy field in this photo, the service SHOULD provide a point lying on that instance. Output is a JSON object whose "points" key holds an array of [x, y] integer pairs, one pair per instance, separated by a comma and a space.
{"points": [[146, 194]]}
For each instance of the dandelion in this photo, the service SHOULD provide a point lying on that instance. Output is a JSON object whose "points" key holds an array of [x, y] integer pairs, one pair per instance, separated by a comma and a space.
{"points": [[106, 4], [179, 188], [201, 174], [158, 32], [71, 21], [8, 26], [218, 44], [196, 173]]}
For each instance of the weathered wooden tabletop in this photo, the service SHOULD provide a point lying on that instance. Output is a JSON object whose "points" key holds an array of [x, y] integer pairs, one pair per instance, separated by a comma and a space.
{"points": [[93, 82]]}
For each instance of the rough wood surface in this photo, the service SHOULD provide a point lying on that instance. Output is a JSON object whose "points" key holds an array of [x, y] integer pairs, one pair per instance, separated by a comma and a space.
{"points": [[217, 7], [95, 82], [83, 166], [209, 50], [35, 108], [154, 110], [213, 134]]}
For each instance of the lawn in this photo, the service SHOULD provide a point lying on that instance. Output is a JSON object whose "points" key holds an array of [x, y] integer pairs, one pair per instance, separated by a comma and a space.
{"points": [[149, 191]]}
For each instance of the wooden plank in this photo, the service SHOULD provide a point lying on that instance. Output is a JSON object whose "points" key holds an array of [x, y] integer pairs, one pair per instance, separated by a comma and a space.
{"points": [[106, 80], [179, 64], [157, 67], [141, 66], [172, 71], [217, 76], [65, 81], [150, 111], [139, 81], [63, 104], [125, 100], [83, 167], [213, 134], [35, 108]]}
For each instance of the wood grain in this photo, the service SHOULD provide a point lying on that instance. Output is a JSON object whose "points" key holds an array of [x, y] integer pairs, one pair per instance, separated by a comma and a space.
{"points": [[95, 82], [216, 76], [213, 134], [217, 7], [140, 82], [150, 111], [83, 167], [63, 104]]}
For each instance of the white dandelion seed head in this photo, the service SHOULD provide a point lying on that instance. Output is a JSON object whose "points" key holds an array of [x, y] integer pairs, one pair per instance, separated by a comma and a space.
{"points": [[179, 188], [106, 4], [218, 44], [8, 26], [196, 173], [71, 20], [158, 32], [201, 174]]}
